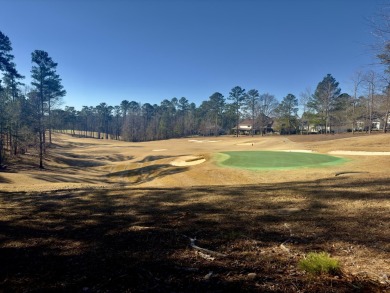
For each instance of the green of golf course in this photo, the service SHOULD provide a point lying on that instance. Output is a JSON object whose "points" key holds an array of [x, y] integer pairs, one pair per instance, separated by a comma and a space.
{"points": [[265, 160]]}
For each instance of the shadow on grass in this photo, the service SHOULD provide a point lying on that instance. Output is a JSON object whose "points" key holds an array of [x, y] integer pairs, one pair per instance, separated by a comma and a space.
{"points": [[78, 163], [147, 173], [153, 158], [82, 161], [4, 180], [56, 178], [135, 239]]}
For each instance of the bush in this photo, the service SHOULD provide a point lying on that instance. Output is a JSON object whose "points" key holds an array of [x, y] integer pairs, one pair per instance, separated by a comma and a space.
{"points": [[319, 263]]}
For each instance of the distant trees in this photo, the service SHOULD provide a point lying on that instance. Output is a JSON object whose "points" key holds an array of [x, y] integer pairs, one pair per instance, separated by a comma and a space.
{"points": [[212, 111]]}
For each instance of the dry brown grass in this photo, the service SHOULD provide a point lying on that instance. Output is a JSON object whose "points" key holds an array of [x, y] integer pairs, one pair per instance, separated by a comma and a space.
{"points": [[115, 217]]}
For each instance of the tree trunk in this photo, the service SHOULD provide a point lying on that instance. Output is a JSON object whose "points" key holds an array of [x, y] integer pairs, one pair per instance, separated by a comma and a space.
{"points": [[1, 145], [11, 141], [16, 140], [40, 147], [49, 121], [238, 121]]}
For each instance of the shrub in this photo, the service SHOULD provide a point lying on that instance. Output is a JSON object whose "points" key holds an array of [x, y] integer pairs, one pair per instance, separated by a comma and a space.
{"points": [[319, 263]]}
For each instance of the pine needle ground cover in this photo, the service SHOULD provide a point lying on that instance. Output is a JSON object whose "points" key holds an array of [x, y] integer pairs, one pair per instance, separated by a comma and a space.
{"points": [[260, 160]]}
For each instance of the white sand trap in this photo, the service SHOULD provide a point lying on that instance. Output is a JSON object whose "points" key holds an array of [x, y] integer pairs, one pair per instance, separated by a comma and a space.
{"points": [[159, 150], [359, 153], [201, 141], [188, 161]]}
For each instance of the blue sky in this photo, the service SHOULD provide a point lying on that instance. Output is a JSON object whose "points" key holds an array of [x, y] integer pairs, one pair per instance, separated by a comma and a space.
{"points": [[147, 51]]}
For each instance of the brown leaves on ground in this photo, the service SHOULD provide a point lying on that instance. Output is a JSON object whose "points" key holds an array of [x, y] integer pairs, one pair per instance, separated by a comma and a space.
{"points": [[118, 240]]}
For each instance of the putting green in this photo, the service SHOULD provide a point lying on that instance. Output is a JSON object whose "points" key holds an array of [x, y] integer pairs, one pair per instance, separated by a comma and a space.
{"points": [[263, 160]]}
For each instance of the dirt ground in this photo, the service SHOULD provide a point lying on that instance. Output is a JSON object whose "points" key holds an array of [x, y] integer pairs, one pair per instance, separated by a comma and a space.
{"points": [[109, 216]]}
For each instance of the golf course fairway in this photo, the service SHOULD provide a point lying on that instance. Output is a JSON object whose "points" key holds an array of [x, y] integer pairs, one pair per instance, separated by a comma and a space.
{"points": [[265, 160]]}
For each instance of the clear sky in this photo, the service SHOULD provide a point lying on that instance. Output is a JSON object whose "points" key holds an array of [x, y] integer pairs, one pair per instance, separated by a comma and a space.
{"points": [[147, 51]]}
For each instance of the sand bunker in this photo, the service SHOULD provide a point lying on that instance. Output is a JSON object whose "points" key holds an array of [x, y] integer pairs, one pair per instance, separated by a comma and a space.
{"points": [[201, 141], [159, 150], [359, 153], [188, 161]]}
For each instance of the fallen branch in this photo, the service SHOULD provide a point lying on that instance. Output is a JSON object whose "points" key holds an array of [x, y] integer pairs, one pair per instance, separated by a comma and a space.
{"points": [[204, 250], [284, 248], [204, 255]]}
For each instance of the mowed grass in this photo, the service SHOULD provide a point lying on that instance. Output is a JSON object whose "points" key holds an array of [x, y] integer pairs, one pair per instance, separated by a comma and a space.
{"points": [[259, 160]]}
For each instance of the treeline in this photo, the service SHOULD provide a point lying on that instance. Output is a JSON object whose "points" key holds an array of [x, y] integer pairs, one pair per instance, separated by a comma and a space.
{"points": [[28, 114], [326, 110], [133, 121]]}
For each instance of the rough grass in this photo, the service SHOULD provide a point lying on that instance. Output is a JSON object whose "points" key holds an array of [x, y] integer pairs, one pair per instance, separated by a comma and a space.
{"points": [[319, 263]]}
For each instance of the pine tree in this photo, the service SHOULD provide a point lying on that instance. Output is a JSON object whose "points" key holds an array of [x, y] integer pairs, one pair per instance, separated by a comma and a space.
{"points": [[324, 99], [237, 96], [47, 84]]}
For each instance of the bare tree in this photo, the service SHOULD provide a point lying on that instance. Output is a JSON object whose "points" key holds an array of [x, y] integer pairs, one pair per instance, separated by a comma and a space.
{"points": [[370, 80], [387, 108], [357, 80], [268, 104]]}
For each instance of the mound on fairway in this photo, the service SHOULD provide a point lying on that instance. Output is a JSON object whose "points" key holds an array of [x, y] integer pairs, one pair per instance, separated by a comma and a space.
{"points": [[262, 160]]}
